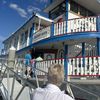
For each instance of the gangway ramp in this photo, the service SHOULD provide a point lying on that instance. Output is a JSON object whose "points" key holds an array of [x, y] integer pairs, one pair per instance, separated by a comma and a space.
{"points": [[21, 88], [11, 88], [25, 95]]}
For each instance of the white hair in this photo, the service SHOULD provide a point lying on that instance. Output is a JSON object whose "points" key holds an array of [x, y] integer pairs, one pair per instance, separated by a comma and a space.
{"points": [[56, 74]]}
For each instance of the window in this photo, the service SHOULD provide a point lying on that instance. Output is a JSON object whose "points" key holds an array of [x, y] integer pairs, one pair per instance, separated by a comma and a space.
{"points": [[16, 41], [74, 7], [83, 11], [90, 13], [26, 35], [80, 10], [59, 10], [22, 38]]}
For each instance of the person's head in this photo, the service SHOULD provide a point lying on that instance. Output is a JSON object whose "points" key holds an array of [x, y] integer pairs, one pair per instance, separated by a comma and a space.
{"points": [[29, 51], [56, 74]]}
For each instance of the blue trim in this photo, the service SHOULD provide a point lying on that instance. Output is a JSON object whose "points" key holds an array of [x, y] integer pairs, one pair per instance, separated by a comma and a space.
{"points": [[98, 23], [98, 46], [66, 60], [75, 36], [83, 53], [51, 1], [66, 13], [52, 29], [65, 37], [30, 38], [31, 33]]}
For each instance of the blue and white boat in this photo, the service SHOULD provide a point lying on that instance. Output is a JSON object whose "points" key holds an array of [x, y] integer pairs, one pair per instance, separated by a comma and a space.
{"points": [[70, 36]]}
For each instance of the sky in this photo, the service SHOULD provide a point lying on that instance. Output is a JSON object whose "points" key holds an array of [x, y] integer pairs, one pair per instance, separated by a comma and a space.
{"points": [[14, 13]]}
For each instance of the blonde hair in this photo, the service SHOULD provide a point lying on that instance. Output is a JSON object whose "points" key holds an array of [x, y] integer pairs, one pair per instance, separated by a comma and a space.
{"points": [[56, 74]]}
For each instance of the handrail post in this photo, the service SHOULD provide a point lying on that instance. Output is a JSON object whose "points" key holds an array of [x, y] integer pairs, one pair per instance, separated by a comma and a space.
{"points": [[98, 46], [11, 57], [12, 90], [52, 29], [66, 61], [98, 98], [66, 15], [83, 53], [8, 84], [98, 23], [31, 34]]}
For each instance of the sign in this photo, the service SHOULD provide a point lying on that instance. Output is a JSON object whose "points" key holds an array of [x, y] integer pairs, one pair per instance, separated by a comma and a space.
{"points": [[42, 34]]}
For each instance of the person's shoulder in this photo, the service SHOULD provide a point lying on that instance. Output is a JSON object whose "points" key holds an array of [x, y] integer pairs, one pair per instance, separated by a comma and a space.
{"points": [[67, 97], [61, 95], [39, 89]]}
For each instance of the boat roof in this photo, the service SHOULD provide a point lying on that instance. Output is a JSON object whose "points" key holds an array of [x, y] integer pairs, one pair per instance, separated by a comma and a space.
{"points": [[52, 5], [93, 6]]}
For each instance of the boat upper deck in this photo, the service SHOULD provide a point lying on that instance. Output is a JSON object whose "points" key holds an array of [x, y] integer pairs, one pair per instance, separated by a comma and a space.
{"points": [[74, 29], [70, 28]]}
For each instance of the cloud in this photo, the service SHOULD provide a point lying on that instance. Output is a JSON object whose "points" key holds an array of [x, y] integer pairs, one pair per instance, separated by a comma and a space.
{"points": [[20, 11], [45, 1], [32, 9], [4, 1]]}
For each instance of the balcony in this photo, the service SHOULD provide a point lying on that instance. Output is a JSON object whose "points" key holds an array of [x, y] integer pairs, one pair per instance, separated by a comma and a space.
{"points": [[87, 24], [76, 68], [72, 26], [23, 45]]}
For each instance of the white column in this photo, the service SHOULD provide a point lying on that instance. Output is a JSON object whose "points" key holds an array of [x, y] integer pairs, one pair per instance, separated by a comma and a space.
{"points": [[28, 36], [12, 42], [18, 45], [11, 57], [39, 24], [35, 28]]}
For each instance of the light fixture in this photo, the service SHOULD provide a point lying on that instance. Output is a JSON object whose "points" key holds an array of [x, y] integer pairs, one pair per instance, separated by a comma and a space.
{"points": [[98, 1], [52, 47], [63, 43]]}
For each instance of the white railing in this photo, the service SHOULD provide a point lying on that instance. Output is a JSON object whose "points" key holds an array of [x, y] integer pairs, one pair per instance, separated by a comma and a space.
{"points": [[23, 45], [42, 34], [75, 66], [90, 68], [84, 24], [43, 65], [60, 28]]}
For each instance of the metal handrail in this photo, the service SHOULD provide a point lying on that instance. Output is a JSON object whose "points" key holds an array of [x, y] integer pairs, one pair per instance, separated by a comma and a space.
{"points": [[18, 76], [15, 75], [74, 85]]}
